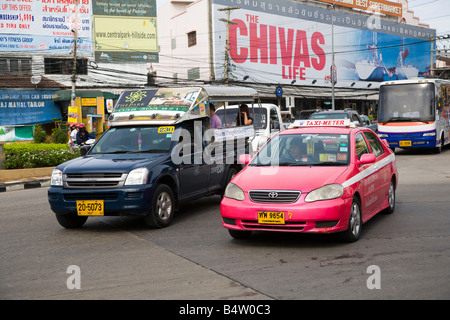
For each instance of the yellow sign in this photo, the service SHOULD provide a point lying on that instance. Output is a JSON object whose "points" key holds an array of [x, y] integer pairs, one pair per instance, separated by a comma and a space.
{"points": [[166, 129], [125, 34], [89, 102], [73, 115]]}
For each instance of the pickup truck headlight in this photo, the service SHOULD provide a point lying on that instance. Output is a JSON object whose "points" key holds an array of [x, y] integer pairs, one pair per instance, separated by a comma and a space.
{"points": [[232, 191], [137, 176], [56, 179], [328, 192]]}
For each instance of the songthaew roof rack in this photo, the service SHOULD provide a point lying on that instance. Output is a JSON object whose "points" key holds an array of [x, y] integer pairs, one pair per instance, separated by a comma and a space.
{"points": [[173, 105]]}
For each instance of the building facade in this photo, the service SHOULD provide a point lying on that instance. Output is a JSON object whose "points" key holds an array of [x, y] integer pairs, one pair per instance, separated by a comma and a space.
{"points": [[291, 45]]}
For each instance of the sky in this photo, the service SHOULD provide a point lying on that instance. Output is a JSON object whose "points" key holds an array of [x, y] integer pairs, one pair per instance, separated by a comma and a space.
{"points": [[436, 13]]}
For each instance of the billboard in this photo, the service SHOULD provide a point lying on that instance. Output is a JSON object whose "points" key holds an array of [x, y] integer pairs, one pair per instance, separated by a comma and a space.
{"points": [[125, 31], [24, 107], [287, 42], [44, 26]]}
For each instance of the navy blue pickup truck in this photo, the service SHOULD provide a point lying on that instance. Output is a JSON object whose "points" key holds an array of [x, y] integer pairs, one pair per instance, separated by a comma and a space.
{"points": [[154, 156]]}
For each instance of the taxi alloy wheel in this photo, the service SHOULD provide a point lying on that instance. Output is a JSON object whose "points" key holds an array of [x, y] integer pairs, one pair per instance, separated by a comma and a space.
{"points": [[391, 198], [353, 232], [162, 210]]}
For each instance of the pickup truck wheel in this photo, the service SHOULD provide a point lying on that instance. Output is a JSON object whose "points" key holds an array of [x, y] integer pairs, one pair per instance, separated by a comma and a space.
{"points": [[162, 209], [70, 221]]}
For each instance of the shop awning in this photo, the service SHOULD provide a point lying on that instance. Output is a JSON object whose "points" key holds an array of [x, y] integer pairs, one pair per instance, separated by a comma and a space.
{"points": [[64, 95]]}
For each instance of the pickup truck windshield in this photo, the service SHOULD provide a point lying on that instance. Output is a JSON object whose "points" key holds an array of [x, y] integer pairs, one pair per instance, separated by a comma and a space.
{"points": [[305, 150], [134, 139]]}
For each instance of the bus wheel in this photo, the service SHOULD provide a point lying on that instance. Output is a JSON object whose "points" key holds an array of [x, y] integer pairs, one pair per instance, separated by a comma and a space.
{"points": [[439, 149]]}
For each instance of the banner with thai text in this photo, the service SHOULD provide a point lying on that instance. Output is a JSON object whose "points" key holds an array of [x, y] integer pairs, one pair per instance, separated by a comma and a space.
{"points": [[45, 25], [285, 42]]}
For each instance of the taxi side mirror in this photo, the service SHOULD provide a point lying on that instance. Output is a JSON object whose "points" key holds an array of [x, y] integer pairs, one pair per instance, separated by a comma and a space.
{"points": [[367, 158], [244, 158]]}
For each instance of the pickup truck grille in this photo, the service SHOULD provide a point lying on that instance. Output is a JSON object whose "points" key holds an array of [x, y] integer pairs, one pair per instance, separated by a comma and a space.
{"points": [[274, 196], [94, 180]]}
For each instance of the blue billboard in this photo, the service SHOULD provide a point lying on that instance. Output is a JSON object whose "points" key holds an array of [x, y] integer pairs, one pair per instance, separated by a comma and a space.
{"points": [[22, 107]]}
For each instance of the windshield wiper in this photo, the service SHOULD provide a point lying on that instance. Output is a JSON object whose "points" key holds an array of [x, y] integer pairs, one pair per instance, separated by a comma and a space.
{"points": [[393, 119], [329, 163], [293, 164]]}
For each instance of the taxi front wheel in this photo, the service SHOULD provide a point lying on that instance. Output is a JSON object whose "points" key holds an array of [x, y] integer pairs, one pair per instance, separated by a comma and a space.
{"points": [[238, 234], [353, 231], [162, 209]]}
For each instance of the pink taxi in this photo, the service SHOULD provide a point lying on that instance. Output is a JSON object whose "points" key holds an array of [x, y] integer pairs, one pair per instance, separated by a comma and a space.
{"points": [[319, 177]]}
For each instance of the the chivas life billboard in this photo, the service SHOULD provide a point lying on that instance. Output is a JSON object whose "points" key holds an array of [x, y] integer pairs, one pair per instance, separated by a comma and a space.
{"points": [[285, 42]]}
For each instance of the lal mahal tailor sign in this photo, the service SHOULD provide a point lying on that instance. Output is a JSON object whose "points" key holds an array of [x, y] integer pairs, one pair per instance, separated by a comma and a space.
{"points": [[44, 25], [282, 41], [26, 107]]}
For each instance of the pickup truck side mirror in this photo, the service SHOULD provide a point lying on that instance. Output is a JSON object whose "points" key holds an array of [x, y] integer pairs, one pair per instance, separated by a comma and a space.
{"points": [[85, 149], [244, 158], [275, 124]]}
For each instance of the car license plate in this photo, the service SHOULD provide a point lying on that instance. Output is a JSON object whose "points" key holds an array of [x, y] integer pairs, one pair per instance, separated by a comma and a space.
{"points": [[90, 207], [270, 217], [405, 143]]}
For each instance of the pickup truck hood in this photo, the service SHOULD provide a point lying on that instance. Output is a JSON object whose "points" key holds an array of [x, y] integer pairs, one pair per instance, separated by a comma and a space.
{"points": [[304, 179], [112, 162]]}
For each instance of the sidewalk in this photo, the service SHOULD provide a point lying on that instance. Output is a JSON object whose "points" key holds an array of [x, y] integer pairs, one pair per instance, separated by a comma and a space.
{"points": [[18, 179]]}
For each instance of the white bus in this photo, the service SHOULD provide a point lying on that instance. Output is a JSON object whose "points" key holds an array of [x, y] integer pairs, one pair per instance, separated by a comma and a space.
{"points": [[415, 113]]}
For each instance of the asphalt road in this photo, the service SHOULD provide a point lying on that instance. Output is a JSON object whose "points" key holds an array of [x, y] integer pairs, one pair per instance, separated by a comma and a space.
{"points": [[400, 256]]}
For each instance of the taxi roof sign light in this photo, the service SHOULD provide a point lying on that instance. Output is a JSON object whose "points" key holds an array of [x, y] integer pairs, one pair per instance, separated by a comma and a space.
{"points": [[322, 123]]}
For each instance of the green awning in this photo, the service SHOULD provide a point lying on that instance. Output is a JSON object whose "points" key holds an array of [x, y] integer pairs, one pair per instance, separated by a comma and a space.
{"points": [[64, 95]]}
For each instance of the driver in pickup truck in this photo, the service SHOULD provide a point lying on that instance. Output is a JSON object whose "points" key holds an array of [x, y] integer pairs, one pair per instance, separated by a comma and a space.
{"points": [[243, 118]]}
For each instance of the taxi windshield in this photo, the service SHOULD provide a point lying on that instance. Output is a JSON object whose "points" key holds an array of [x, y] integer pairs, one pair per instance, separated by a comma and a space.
{"points": [[315, 149], [134, 139]]}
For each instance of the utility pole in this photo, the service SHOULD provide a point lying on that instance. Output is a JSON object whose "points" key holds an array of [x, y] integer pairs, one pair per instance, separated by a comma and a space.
{"points": [[227, 43], [333, 64], [432, 57], [74, 67]]}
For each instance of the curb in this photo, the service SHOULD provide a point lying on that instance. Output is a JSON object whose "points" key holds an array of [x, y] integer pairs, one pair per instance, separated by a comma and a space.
{"points": [[24, 184]]}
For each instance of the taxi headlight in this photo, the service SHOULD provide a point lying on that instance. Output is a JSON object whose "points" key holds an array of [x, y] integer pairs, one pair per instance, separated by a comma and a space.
{"points": [[56, 179], [137, 176], [232, 191], [331, 191]]}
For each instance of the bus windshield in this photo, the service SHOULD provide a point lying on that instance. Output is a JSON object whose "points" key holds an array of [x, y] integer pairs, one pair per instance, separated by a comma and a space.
{"points": [[406, 102]]}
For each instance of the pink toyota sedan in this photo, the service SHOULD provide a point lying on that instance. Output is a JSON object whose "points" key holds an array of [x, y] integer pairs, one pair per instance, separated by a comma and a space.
{"points": [[318, 177]]}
